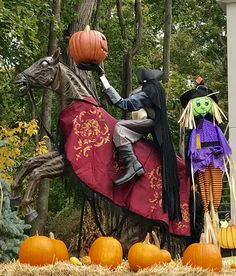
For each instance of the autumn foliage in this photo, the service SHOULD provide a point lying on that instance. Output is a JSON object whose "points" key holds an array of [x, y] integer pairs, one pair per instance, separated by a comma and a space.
{"points": [[14, 144]]}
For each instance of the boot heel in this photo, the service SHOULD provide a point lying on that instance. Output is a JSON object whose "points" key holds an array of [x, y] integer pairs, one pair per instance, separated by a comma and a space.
{"points": [[140, 172]]}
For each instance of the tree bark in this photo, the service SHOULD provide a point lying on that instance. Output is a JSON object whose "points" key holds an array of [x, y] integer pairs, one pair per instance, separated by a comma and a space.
{"points": [[43, 191], [130, 53], [88, 11], [166, 44]]}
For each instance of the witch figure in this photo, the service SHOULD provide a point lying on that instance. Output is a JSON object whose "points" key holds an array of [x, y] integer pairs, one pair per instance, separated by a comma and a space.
{"points": [[207, 150]]}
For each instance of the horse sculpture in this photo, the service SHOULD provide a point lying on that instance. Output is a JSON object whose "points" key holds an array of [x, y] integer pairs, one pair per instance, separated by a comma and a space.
{"points": [[87, 129]]}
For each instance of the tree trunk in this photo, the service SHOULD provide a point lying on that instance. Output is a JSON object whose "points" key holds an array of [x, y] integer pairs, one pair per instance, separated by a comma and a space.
{"points": [[88, 16], [166, 44], [43, 192], [88, 11], [130, 53]]}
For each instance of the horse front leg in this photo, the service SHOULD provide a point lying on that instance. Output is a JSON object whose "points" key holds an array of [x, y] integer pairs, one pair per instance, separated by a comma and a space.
{"points": [[28, 166], [49, 169]]}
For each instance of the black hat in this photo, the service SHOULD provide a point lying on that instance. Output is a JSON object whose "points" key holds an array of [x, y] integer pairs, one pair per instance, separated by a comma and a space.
{"points": [[199, 91], [148, 74]]}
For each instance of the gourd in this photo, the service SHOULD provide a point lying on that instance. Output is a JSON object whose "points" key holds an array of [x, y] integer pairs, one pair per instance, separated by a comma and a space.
{"points": [[204, 255], [227, 235], [75, 261], [233, 265], [106, 251], [144, 254], [88, 46], [85, 260]]}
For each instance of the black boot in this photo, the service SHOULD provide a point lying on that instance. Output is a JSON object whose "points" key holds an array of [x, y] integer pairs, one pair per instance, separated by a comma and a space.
{"points": [[132, 166]]}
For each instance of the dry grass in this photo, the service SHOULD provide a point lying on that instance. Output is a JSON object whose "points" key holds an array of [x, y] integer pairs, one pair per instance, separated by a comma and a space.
{"points": [[67, 269]]}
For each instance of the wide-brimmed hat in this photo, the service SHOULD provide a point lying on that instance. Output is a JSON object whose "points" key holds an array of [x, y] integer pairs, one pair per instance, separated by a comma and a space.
{"points": [[199, 91], [148, 74]]}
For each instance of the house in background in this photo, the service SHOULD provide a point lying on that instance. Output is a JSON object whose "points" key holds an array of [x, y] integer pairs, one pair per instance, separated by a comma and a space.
{"points": [[229, 7]]}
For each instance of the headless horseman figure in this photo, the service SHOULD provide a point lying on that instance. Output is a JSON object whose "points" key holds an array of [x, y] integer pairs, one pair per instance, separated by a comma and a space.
{"points": [[151, 97]]}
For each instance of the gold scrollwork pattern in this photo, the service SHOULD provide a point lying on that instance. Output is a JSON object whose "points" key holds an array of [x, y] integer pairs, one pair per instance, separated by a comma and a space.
{"points": [[155, 181], [92, 131], [181, 225]]}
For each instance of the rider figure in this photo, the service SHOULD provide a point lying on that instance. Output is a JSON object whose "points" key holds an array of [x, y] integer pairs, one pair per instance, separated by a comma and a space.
{"points": [[151, 97]]}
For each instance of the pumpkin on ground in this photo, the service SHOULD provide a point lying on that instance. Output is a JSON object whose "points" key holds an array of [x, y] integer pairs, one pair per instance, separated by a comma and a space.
{"points": [[37, 250], [227, 236], [166, 256], [144, 254], [41, 250], [106, 251], [60, 249], [85, 260], [233, 265], [204, 255], [88, 46]]}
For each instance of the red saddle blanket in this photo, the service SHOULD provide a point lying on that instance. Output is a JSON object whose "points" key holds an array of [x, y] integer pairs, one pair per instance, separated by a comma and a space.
{"points": [[88, 131]]}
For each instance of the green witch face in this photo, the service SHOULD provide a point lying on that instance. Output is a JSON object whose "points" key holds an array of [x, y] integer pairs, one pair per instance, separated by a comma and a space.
{"points": [[201, 106]]}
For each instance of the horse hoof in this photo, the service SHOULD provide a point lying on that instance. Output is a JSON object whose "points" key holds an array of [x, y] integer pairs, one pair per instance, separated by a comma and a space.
{"points": [[15, 201], [31, 216]]}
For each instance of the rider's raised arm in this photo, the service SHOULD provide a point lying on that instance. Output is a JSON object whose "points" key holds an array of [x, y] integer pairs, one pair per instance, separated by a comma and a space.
{"points": [[132, 103]]}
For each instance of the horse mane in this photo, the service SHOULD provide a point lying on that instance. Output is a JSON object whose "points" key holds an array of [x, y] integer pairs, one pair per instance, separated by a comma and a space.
{"points": [[71, 85]]}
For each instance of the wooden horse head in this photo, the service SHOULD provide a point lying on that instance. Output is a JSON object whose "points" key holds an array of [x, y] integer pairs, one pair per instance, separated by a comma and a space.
{"points": [[50, 73]]}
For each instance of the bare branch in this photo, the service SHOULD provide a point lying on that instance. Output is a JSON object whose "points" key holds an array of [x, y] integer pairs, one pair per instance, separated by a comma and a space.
{"points": [[138, 27], [121, 19]]}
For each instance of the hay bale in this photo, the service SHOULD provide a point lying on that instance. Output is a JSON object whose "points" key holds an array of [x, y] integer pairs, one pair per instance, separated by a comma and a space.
{"points": [[68, 269]]}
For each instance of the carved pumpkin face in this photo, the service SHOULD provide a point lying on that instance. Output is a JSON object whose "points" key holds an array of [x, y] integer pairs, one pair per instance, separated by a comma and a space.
{"points": [[88, 46], [106, 251]]}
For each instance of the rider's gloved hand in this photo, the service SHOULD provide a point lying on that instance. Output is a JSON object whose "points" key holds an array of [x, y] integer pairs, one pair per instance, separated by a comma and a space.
{"points": [[92, 66]]}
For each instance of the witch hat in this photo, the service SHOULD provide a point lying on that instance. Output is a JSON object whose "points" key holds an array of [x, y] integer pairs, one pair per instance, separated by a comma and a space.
{"points": [[199, 91]]}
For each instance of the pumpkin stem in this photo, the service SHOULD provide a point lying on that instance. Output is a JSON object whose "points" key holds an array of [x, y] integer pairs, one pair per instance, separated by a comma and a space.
{"points": [[147, 239], [156, 240], [87, 28], [36, 233], [51, 236]]}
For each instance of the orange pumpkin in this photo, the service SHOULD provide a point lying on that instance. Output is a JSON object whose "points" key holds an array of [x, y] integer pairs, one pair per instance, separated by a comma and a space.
{"points": [[204, 255], [166, 256], [60, 249], [144, 254], [37, 250], [233, 265], [88, 46], [106, 251]]}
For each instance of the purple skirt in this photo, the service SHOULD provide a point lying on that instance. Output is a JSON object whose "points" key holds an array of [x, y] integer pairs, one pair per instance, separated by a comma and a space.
{"points": [[206, 156], [212, 154]]}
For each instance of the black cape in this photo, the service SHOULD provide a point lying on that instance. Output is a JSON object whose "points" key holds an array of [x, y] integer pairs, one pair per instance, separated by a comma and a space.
{"points": [[163, 141]]}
